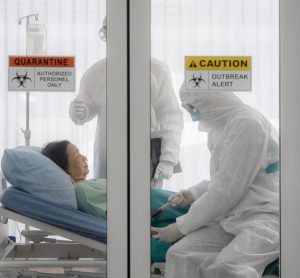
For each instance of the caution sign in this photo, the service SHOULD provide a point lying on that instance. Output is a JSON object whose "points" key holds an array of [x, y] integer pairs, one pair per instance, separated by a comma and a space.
{"points": [[28, 73], [213, 73]]}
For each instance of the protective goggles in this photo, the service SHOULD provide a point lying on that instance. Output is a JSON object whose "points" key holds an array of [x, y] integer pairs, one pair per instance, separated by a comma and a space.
{"points": [[188, 107], [103, 33]]}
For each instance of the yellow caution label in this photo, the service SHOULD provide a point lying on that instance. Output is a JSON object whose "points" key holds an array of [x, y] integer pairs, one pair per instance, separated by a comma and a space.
{"points": [[217, 63]]}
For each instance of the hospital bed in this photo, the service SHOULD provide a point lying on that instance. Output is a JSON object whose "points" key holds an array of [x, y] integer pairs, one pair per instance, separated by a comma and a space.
{"points": [[39, 187], [82, 255], [86, 247], [84, 250]]}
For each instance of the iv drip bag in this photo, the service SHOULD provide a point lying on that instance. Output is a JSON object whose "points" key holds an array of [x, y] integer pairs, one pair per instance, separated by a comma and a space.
{"points": [[36, 39]]}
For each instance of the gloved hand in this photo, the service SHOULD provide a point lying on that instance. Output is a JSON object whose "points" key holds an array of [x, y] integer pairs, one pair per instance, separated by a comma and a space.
{"points": [[169, 233], [78, 110], [182, 199], [164, 170]]}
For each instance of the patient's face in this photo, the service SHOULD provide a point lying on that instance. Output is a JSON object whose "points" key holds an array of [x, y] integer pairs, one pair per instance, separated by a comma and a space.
{"points": [[78, 167]]}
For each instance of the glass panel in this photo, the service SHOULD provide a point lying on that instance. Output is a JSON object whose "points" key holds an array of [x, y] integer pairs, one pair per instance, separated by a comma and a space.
{"points": [[53, 88], [218, 213]]}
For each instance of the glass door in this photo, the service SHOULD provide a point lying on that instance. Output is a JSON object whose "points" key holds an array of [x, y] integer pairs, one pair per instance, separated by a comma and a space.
{"points": [[212, 186], [64, 155]]}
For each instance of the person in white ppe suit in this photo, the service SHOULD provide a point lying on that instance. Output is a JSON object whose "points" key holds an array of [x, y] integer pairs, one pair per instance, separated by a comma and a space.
{"points": [[166, 115], [232, 227]]}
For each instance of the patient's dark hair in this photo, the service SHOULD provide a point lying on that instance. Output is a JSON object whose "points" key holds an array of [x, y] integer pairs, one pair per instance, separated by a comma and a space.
{"points": [[57, 152]]}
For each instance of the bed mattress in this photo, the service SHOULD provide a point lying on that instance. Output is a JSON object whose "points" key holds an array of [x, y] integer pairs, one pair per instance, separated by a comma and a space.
{"points": [[57, 215]]}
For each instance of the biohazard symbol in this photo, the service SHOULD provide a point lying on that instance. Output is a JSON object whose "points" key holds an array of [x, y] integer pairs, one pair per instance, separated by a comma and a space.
{"points": [[197, 80], [21, 79]]}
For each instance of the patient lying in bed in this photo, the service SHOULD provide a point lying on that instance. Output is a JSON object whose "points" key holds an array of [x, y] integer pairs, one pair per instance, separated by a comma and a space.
{"points": [[91, 194]]}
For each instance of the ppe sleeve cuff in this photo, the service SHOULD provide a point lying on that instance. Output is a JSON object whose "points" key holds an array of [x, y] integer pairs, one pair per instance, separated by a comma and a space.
{"points": [[168, 159], [180, 224], [199, 189]]}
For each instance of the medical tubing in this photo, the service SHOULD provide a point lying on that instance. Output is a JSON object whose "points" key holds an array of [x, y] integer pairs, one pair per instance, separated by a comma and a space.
{"points": [[161, 209]]}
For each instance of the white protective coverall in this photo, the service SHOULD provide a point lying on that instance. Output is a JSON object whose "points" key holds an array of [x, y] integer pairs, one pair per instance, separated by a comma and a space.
{"points": [[166, 116], [232, 228]]}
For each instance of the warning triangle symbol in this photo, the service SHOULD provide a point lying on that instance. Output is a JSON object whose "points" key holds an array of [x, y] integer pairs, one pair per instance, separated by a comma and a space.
{"points": [[193, 64]]}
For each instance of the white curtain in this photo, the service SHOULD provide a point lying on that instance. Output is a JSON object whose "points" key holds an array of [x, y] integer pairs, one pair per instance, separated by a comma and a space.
{"points": [[215, 28]]}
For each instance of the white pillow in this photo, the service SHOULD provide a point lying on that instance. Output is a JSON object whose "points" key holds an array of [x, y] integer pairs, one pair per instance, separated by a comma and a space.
{"points": [[28, 170]]}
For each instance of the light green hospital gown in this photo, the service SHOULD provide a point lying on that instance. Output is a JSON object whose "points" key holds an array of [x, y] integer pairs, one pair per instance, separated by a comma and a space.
{"points": [[91, 196]]}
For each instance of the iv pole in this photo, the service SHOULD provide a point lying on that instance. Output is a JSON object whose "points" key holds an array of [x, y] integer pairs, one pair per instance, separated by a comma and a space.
{"points": [[27, 131]]}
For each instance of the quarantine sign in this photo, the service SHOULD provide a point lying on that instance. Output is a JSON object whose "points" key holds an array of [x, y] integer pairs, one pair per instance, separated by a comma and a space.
{"points": [[28, 73], [214, 73]]}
